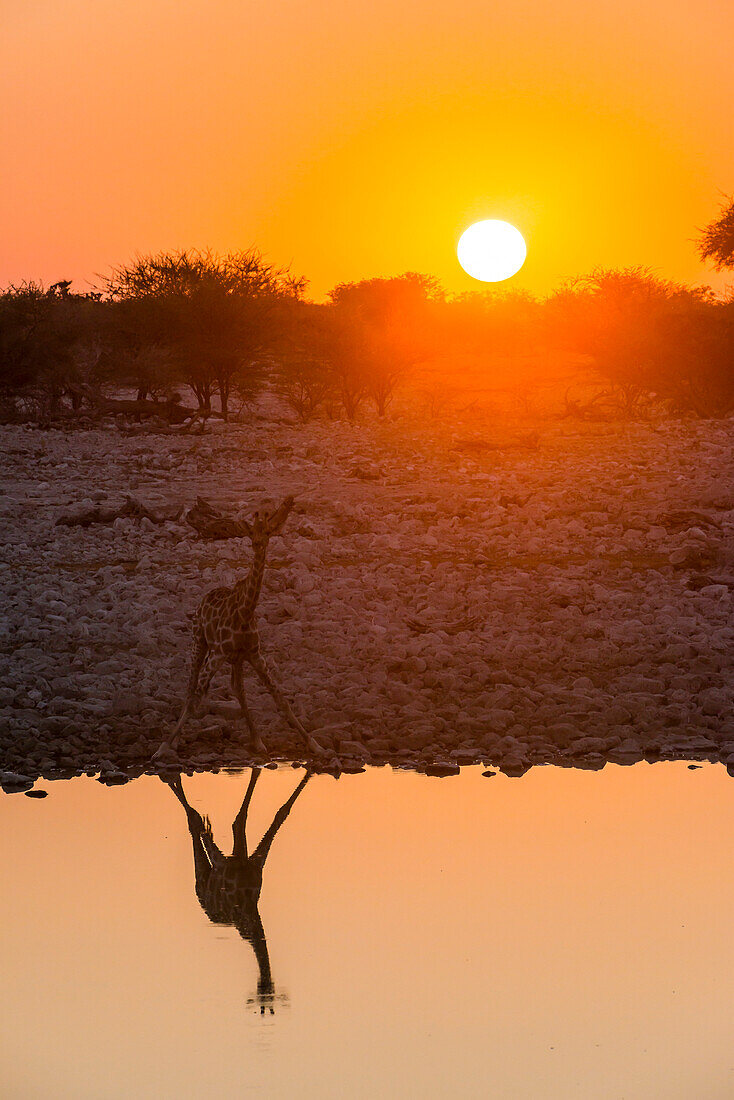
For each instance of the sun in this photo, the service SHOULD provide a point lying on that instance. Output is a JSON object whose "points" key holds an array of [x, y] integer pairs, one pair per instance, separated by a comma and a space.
{"points": [[491, 250]]}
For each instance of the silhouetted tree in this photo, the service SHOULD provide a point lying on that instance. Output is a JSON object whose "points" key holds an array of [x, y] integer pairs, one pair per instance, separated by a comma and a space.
{"points": [[219, 323], [717, 239], [696, 357], [307, 357], [382, 327], [136, 352], [48, 345], [214, 313], [626, 320]]}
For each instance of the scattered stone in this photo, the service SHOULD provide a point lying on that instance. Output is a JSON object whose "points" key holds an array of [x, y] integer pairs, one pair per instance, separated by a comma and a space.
{"points": [[491, 606], [353, 748], [113, 778], [514, 767], [14, 783], [441, 769]]}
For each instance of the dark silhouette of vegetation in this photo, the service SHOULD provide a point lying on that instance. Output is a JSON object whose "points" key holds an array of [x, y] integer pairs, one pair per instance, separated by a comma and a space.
{"points": [[648, 339], [359, 346], [49, 348], [717, 239], [137, 354], [699, 365], [225, 326], [213, 314], [383, 329], [308, 360]]}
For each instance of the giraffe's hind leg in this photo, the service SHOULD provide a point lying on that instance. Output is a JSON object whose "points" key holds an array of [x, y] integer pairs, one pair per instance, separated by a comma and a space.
{"points": [[199, 651], [209, 669], [284, 707]]}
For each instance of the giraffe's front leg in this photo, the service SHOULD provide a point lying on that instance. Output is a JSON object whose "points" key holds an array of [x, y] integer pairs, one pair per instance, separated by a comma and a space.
{"points": [[238, 688], [284, 708]]}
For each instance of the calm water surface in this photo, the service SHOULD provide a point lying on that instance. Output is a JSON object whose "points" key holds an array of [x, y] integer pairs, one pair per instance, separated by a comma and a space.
{"points": [[567, 934]]}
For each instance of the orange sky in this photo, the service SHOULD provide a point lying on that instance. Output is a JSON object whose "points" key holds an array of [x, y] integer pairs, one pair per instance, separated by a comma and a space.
{"points": [[356, 139]]}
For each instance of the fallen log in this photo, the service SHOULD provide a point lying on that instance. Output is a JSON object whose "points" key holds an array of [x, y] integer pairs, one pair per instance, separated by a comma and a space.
{"points": [[210, 523], [142, 409], [82, 515]]}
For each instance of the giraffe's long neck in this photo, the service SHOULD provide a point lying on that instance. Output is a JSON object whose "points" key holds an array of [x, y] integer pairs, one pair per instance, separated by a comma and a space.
{"points": [[248, 590]]}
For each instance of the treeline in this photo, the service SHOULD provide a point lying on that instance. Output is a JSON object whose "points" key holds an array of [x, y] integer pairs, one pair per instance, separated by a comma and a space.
{"points": [[225, 326]]}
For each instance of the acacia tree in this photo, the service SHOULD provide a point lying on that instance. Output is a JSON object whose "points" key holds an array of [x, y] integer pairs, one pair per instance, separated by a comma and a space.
{"points": [[711, 385], [696, 366], [214, 313], [47, 345], [137, 352], [307, 357], [625, 319], [717, 239], [382, 327]]}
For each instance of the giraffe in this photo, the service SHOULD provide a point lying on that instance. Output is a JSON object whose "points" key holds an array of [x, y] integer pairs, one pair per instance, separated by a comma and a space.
{"points": [[225, 631], [228, 887]]}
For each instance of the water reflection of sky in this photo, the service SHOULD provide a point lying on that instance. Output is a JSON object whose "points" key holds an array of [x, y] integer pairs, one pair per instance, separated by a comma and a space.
{"points": [[565, 934]]}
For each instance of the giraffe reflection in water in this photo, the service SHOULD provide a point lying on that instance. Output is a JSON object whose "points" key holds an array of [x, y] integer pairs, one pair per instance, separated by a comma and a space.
{"points": [[228, 887]]}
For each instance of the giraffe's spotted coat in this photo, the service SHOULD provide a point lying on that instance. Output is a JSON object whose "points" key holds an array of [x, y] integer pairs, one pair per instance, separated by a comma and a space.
{"points": [[225, 631]]}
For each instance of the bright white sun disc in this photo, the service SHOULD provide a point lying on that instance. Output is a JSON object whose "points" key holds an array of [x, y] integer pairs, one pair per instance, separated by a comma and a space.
{"points": [[491, 250]]}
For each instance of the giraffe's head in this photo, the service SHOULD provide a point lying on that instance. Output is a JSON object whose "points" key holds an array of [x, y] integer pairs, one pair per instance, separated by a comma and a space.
{"points": [[264, 525]]}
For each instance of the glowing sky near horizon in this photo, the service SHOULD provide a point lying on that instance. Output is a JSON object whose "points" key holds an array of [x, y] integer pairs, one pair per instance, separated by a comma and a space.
{"points": [[353, 140]]}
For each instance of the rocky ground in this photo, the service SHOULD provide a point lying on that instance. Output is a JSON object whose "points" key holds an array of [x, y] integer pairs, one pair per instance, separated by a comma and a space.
{"points": [[443, 593]]}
